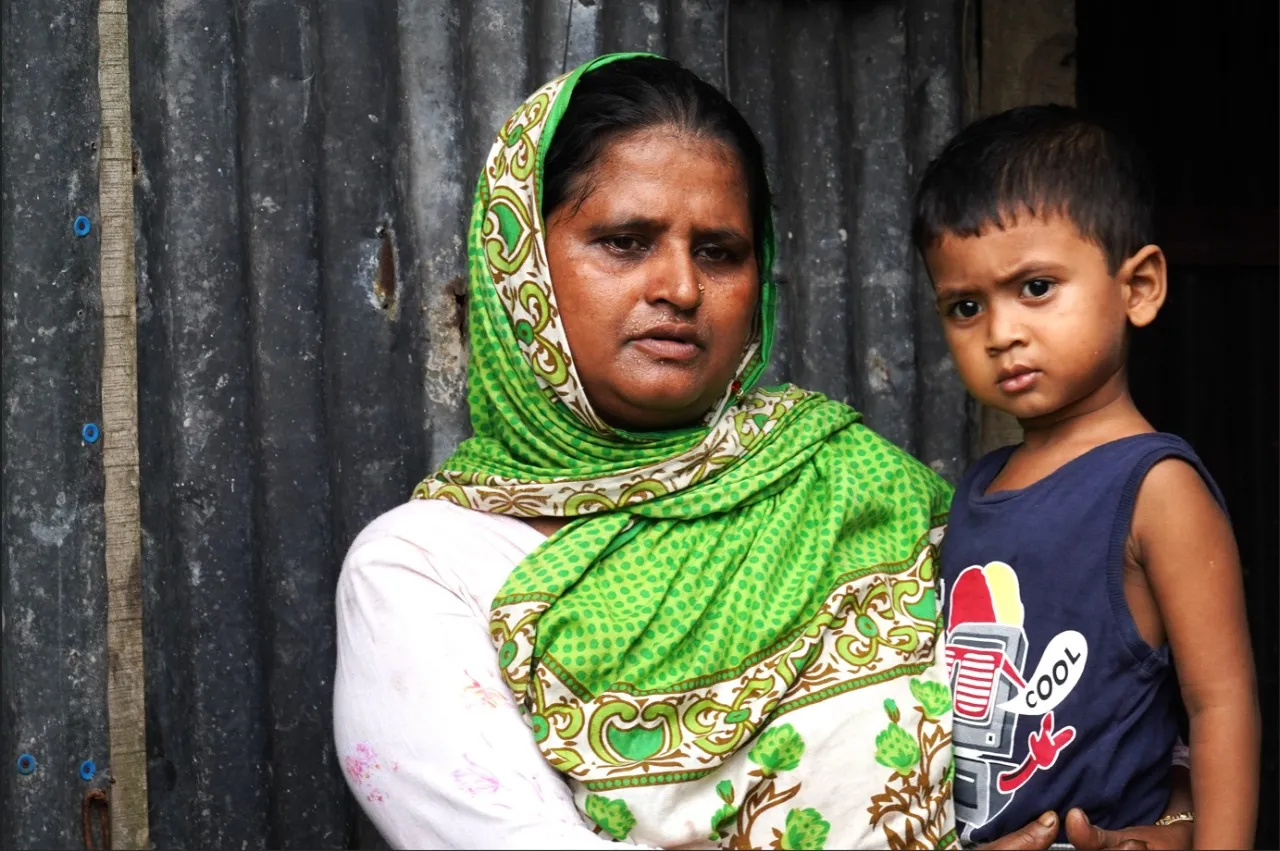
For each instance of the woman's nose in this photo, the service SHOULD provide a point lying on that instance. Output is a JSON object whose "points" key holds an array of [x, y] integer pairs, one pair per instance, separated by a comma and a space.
{"points": [[676, 280]]}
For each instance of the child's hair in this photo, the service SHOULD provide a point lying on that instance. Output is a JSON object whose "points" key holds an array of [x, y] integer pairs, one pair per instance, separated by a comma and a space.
{"points": [[1041, 160]]}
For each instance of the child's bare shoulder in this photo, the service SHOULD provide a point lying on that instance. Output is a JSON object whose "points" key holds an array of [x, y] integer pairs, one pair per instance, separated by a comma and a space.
{"points": [[1176, 508], [1175, 485]]}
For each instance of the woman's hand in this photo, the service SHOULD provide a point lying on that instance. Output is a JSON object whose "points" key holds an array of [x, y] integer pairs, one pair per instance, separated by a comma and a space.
{"points": [[1088, 837], [1037, 834], [1042, 832]]}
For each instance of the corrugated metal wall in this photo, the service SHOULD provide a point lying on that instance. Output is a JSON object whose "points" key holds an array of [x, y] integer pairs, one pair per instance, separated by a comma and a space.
{"points": [[303, 179]]}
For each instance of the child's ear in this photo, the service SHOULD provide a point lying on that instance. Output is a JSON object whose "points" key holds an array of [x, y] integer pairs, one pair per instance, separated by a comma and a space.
{"points": [[1145, 282]]}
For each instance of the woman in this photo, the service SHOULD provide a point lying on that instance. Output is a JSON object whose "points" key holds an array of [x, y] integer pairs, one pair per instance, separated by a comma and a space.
{"points": [[709, 607]]}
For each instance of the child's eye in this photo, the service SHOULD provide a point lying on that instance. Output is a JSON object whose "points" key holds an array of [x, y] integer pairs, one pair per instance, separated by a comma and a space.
{"points": [[1037, 288], [964, 309]]}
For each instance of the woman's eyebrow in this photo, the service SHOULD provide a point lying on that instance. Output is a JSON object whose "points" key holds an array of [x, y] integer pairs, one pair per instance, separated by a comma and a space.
{"points": [[723, 235], [646, 224], [635, 223]]}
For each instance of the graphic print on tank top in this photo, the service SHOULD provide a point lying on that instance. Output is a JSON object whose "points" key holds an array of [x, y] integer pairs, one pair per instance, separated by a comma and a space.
{"points": [[996, 700]]}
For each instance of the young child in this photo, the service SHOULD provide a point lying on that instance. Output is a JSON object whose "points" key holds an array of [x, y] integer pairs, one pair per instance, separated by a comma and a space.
{"points": [[1081, 565]]}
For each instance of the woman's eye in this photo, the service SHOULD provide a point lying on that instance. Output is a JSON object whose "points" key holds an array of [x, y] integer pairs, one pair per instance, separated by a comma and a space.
{"points": [[1038, 288], [623, 244], [713, 253], [965, 309]]}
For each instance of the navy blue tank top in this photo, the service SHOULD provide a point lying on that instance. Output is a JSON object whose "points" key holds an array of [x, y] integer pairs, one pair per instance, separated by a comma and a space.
{"points": [[1058, 701]]}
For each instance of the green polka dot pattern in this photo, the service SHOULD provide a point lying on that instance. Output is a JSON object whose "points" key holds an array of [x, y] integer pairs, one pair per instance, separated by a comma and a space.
{"points": [[713, 576]]}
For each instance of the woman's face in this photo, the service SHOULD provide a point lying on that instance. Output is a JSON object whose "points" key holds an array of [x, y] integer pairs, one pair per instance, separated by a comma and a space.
{"points": [[655, 276]]}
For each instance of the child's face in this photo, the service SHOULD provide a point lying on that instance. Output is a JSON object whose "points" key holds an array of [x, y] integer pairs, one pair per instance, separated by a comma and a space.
{"points": [[1035, 321]]}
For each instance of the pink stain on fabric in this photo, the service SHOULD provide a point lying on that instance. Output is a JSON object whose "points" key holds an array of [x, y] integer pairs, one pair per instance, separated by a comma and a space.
{"points": [[360, 766], [477, 693], [477, 781]]}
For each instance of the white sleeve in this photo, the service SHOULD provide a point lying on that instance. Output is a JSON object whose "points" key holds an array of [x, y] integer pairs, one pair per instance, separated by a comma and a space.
{"points": [[431, 742]]}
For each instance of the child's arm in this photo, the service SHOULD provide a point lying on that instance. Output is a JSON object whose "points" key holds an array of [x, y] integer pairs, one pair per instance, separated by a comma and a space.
{"points": [[1186, 546]]}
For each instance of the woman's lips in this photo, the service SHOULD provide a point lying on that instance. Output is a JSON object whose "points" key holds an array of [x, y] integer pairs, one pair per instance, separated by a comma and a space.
{"points": [[666, 349], [1019, 380], [669, 341]]}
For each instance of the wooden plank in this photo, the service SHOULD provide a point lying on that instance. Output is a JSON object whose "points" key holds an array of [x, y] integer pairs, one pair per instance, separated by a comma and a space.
{"points": [[126, 716]]}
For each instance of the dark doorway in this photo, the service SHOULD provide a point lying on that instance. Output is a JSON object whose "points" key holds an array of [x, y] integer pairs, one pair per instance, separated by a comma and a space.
{"points": [[1197, 84]]}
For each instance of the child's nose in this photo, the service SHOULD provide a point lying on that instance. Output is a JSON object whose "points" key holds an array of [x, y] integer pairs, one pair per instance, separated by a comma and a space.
{"points": [[1004, 331]]}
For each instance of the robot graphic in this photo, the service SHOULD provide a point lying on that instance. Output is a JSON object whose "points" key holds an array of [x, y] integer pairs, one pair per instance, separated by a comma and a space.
{"points": [[986, 652]]}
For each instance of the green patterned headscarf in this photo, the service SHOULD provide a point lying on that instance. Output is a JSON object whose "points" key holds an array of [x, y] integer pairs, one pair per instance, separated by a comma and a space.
{"points": [[738, 637]]}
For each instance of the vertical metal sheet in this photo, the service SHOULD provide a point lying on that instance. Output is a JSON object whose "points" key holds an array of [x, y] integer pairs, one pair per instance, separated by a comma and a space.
{"points": [[52, 540], [304, 172]]}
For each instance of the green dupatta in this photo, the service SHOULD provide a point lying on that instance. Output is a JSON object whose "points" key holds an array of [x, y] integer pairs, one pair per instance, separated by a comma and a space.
{"points": [[738, 642]]}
